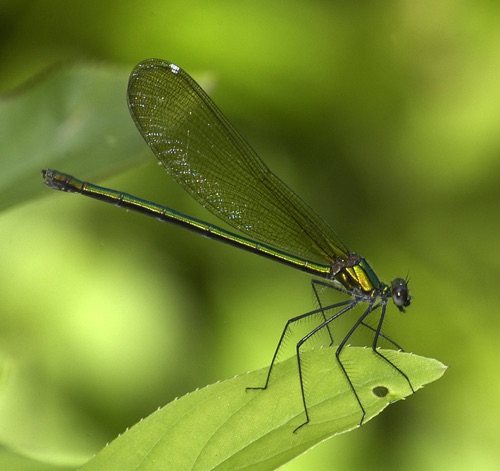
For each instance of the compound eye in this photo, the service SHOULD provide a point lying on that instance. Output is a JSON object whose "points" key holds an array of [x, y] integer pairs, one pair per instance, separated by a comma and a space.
{"points": [[400, 293]]}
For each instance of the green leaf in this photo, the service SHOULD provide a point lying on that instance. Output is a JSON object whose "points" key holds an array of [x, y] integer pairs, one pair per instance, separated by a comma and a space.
{"points": [[74, 117], [225, 426]]}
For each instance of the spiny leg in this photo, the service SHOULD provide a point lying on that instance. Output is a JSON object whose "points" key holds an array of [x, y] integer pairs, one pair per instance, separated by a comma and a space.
{"points": [[288, 325], [350, 305], [381, 334], [341, 346], [378, 333], [315, 283]]}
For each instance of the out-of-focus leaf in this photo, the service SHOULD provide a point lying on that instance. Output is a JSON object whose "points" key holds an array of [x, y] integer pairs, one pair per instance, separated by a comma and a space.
{"points": [[73, 117]]}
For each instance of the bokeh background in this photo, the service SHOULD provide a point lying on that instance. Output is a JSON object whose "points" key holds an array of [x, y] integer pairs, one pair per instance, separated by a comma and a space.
{"points": [[384, 116]]}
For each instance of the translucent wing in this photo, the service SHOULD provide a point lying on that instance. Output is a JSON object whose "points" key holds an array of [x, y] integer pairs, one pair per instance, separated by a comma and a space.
{"points": [[207, 156]]}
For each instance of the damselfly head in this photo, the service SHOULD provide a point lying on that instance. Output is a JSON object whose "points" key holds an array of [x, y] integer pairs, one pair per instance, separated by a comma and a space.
{"points": [[400, 293]]}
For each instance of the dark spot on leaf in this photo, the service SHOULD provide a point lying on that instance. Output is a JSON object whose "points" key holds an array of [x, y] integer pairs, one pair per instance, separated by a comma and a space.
{"points": [[380, 391]]}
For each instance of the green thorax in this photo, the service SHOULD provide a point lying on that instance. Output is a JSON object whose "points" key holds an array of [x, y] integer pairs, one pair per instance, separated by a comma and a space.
{"points": [[355, 273]]}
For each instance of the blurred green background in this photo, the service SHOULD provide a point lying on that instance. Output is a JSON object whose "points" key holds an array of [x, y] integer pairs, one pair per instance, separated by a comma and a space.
{"points": [[384, 116]]}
